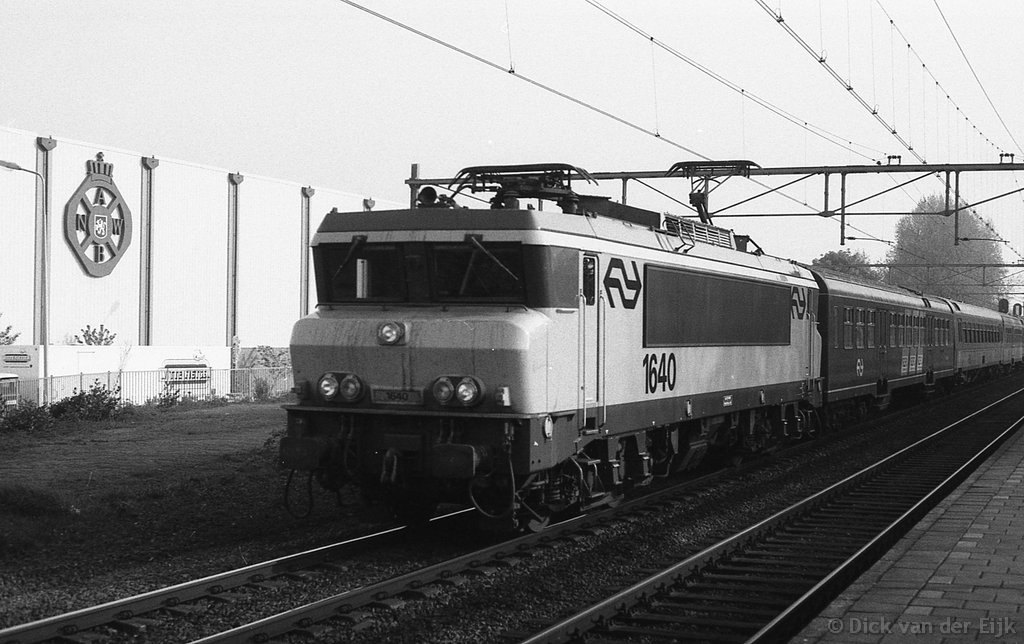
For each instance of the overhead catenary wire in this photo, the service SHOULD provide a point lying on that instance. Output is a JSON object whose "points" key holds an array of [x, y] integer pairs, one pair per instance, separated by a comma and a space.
{"points": [[834, 74], [976, 78], [983, 91], [872, 110], [949, 99], [577, 101], [525, 79], [831, 137], [538, 84]]}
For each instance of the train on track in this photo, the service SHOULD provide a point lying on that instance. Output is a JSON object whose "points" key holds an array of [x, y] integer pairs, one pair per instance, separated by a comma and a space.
{"points": [[535, 359]]}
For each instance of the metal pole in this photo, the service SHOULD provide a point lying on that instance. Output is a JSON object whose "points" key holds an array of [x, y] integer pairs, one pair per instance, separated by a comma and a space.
{"points": [[956, 212], [146, 252], [307, 194], [825, 208], [413, 189], [234, 180], [842, 209]]}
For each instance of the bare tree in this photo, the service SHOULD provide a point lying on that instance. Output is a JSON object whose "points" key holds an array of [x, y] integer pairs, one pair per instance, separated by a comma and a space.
{"points": [[927, 238]]}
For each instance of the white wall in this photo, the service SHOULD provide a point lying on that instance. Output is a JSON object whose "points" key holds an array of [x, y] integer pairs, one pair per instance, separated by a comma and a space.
{"points": [[190, 217]]}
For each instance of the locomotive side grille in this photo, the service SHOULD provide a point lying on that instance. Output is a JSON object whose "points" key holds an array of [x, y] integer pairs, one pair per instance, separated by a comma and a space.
{"points": [[698, 232]]}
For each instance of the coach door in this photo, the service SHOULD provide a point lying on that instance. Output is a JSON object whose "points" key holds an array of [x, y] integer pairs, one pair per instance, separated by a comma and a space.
{"points": [[590, 345]]}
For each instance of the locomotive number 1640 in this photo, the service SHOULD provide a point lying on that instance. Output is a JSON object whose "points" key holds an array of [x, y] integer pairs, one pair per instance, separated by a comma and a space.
{"points": [[659, 372]]}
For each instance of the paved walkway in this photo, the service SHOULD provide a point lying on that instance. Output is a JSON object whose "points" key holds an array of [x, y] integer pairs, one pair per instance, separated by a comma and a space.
{"points": [[957, 576]]}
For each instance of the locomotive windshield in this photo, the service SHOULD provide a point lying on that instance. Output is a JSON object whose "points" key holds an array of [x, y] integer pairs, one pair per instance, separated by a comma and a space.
{"points": [[469, 271]]}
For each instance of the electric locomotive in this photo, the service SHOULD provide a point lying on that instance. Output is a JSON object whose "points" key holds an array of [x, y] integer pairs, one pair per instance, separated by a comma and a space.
{"points": [[542, 354]]}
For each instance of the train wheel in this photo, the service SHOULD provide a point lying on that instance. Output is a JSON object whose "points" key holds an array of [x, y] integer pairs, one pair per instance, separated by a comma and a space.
{"points": [[533, 520], [492, 496]]}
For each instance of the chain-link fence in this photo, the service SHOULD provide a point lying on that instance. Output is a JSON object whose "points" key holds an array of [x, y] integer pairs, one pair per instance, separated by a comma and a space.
{"points": [[141, 387]]}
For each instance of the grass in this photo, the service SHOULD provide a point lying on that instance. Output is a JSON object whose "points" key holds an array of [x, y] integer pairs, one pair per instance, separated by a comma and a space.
{"points": [[169, 479]]}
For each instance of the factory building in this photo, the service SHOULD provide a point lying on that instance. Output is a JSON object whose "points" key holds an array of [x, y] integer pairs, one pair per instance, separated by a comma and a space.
{"points": [[176, 258]]}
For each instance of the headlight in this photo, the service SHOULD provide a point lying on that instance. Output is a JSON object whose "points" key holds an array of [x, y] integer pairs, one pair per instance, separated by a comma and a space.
{"points": [[443, 390], [390, 333], [351, 388], [467, 391], [328, 386]]}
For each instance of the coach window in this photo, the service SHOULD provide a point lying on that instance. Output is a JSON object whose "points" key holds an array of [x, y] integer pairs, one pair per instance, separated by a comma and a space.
{"points": [[835, 326], [871, 329], [847, 328], [859, 333]]}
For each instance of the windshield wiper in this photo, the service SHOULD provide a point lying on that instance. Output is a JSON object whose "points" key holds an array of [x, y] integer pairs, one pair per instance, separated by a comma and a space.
{"points": [[353, 248], [479, 245]]}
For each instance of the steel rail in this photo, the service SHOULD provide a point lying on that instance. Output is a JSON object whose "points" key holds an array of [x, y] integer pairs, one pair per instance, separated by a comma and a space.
{"points": [[351, 606], [168, 598], [73, 622], [122, 609], [574, 627], [824, 590]]}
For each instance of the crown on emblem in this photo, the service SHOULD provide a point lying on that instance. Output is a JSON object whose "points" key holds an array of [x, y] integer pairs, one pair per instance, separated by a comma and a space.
{"points": [[99, 166]]}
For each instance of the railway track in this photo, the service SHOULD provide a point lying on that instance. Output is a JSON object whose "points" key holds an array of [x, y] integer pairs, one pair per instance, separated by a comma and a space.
{"points": [[144, 612], [130, 614], [763, 584], [354, 609]]}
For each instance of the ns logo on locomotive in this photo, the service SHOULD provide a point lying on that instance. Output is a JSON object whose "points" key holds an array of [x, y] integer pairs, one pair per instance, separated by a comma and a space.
{"points": [[531, 361]]}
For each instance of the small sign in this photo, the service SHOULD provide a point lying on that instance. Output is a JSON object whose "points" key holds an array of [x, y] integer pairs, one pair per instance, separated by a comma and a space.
{"points": [[398, 396]]}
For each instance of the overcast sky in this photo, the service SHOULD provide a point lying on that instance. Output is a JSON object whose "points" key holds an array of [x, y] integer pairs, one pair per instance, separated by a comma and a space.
{"points": [[324, 93]]}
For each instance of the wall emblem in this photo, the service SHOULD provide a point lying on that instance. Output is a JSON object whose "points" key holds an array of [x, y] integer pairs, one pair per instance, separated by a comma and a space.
{"points": [[97, 221]]}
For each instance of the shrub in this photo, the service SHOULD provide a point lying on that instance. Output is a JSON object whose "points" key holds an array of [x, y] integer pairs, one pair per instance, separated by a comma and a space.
{"points": [[26, 416], [166, 399], [6, 336], [98, 403], [260, 389], [98, 336]]}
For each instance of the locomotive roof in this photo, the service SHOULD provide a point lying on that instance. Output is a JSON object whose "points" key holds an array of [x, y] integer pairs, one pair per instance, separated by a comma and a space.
{"points": [[704, 248]]}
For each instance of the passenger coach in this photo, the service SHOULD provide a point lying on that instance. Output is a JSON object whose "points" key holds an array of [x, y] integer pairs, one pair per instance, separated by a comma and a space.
{"points": [[880, 339]]}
